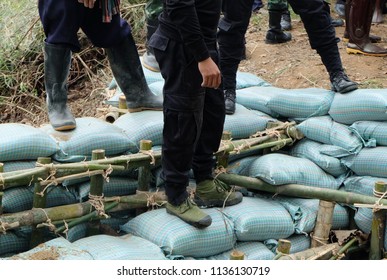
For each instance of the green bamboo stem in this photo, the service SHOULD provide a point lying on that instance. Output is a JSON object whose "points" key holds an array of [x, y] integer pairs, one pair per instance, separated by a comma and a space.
{"points": [[296, 190], [237, 255], [275, 145], [37, 216], [344, 248], [283, 248], [144, 172], [323, 252], [223, 157]]}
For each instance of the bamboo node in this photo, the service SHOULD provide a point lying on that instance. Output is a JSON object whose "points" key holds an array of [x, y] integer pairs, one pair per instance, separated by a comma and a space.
{"points": [[97, 202], [48, 222], [151, 154]]}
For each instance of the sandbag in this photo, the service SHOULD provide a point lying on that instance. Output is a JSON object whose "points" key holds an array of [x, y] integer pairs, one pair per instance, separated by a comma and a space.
{"points": [[298, 242], [373, 131]]}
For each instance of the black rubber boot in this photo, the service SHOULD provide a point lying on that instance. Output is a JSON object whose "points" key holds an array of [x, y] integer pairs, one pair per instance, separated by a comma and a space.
{"points": [[341, 83], [229, 101], [57, 60], [127, 70], [275, 35], [148, 59], [286, 22]]}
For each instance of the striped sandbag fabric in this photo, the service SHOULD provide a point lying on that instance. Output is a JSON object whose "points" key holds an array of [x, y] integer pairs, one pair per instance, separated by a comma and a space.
{"points": [[359, 105], [178, 238], [257, 219], [241, 166], [55, 249], [21, 198], [245, 80], [369, 162], [311, 150], [298, 242], [157, 87], [252, 250], [24, 142], [371, 131], [281, 169], [303, 103], [325, 130], [362, 184], [90, 134], [145, 125], [244, 123], [116, 186], [257, 98], [11, 166], [363, 219], [126, 247]]}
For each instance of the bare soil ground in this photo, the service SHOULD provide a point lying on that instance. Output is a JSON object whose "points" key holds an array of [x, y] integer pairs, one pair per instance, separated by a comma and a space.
{"points": [[290, 65]]}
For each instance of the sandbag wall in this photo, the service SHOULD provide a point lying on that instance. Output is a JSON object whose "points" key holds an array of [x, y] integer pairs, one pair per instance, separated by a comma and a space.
{"points": [[325, 158]]}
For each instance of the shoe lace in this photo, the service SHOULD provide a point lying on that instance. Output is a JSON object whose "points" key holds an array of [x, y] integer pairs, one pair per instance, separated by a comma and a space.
{"points": [[225, 188]]}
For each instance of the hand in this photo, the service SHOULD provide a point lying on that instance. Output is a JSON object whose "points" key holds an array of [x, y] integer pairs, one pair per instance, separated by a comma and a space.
{"points": [[210, 73], [87, 3]]}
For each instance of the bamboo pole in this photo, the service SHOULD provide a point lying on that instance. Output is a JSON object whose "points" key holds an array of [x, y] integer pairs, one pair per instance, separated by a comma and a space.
{"points": [[283, 248], [1, 193], [378, 225], [323, 252], [320, 234], [144, 172], [223, 157], [344, 249], [237, 255], [296, 190], [37, 216]]}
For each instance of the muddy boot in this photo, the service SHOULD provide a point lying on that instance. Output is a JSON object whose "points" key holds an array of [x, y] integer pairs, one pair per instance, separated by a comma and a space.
{"points": [[275, 35], [286, 22], [190, 213], [341, 83], [359, 17], [229, 101], [57, 60], [148, 59], [215, 193], [127, 71]]}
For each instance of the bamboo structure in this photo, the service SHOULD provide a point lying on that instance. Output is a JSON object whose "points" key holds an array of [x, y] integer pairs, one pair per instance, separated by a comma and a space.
{"points": [[144, 172], [283, 248], [323, 252], [320, 234], [237, 255]]}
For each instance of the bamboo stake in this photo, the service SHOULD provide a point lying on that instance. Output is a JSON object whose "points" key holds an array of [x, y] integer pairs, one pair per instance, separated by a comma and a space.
{"points": [[37, 216], [283, 248], [323, 252], [222, 157], [320, 234], [378, 225], [237, 255], [296, 190], [343, 249], [144, 172], [1, 193]]}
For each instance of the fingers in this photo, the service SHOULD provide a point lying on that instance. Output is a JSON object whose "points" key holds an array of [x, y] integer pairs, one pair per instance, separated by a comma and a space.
{"points": [[210, 73], [87, 3], [212, 81]]}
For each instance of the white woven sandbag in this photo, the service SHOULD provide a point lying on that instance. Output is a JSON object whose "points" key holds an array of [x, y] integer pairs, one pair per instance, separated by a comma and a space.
{"points": [[360, 105], [280, 169], [312, 150], [257, 219], [257, 98], [145, 125], [24, 142], [368, 162], [126, 247], [177, 238], [371, 131], [55, 249], [325, 130], [90, 134], [303, 103]]}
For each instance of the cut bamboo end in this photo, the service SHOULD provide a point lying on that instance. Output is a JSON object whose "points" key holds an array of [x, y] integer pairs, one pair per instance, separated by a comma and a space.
{"points": [[111, 117], [146, 145], [226, 135], [122, 102], [237, 255], [380, 189], [284, 246]]}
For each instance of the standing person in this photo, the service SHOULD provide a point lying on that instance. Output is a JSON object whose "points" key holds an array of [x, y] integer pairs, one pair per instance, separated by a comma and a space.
{"points": [[102, 24], [278, 13], [185, 47], [315, 15]]}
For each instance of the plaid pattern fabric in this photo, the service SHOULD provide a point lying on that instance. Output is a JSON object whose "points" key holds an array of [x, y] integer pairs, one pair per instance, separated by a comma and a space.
{"points": [[371, 131], [299, 242], [362, 184], [109, 8], [177, 238], [245, 80]]}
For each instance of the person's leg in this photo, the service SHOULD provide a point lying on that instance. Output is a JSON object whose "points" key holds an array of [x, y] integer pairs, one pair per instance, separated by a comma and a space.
{"points": [[231, 34], [286, 21], [315, 15], [61, 21], [340, 8], [275, 34]]}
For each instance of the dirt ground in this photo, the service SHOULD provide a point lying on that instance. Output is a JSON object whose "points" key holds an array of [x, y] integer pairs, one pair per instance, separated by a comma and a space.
{"points": [[290, 65]]}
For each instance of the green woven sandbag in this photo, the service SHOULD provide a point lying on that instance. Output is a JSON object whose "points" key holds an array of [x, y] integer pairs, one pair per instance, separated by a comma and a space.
{"points": [[23, 142], [126, 247], [177, 238], [91, 134]]}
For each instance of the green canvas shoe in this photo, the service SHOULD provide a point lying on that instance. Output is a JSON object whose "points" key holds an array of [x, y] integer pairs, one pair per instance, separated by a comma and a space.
{"points": [[190, 213], [215, 193]]}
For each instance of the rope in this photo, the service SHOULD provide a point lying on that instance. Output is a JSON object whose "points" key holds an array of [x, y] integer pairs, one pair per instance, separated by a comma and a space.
{"points": [[381, 195], [151, 154], [48, 222], [66, 229], [151, 200], [319, 239], [107, 172], [97, 202]]}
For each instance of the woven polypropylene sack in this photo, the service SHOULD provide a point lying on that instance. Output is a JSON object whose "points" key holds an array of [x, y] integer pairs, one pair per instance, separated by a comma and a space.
{"points": [[325, 130], [245, 80], [371, 131], [90, 134], [177, 238], [359, 105], [299, 242], [257, 219], [362, 184], [281, 169], [24, 142], [126, 247]]}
